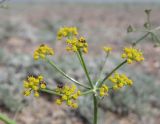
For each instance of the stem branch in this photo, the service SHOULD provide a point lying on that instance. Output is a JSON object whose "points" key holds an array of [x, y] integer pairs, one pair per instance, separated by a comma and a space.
{"points": [[85, 68], [117, 67], [6, 120], [64, 74], [140, 39], [101, 69], [87, 92], [50, 92]]}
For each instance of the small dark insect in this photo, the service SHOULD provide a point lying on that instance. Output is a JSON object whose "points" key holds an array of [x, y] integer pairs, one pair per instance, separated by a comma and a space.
{"points": [[43, 82], [60, 85], [82, 40], [42, 45]]}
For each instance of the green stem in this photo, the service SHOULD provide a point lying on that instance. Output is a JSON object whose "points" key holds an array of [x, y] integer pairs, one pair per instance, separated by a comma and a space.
{"points": [[79, 58], [157, 28], [102, 67], [156, 37], [64, 74], [117, 67], [50, 92], [87, 92], [140, 39], [95, 109], [85, 69], [6, 120]]}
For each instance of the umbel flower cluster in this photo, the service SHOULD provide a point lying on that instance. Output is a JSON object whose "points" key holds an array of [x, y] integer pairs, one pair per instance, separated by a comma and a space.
{"points": [[103, 91], [107, 49], [132, 54], [42, 51], [120, 80], [69, 94], [67, 32], [33, 84], [73, 42]]}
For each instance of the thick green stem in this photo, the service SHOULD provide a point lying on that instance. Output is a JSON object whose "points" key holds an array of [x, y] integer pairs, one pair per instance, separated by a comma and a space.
{"points": [[6, 120], [95, 109], [117, 67], [85, 68], [64, 74]]}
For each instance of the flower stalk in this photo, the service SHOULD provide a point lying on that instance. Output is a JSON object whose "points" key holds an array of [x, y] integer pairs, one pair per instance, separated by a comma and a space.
{"points": [[116, 68], [85, 68], [102, 68], [140, 39], [6, 120], [87, 92], [64, 74], [50, 91]]}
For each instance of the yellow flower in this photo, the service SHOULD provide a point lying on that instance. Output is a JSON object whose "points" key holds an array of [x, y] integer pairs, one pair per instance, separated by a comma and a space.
{"points": [[74, 105], [107, 49], [82, 44], [120, 80], [36, 94], [25, 84], [115, 87], [64, 97], [33, 84], [73, 42], [66, 32], [69, 95], [103, 91], [75, 96], [43, 85], [42, 51], [27, 92], [85, 50], [58, 101], [132, 54], [69, 102], [40, 77]]}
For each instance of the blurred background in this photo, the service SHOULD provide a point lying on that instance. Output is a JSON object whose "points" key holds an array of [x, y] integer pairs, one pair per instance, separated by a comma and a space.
{"points": [[25, 24]]}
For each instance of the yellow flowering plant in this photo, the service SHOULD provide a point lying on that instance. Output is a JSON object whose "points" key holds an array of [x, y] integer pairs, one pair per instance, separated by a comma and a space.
{"points": [[69, 93]]}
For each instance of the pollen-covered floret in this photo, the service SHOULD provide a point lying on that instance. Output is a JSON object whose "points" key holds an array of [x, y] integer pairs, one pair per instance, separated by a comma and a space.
{"points": [[74, 44], [66, 32], [107, 49], [103, 90], [120, 80], [42, 51], [69, 95], [33, 84], [132, 54]]}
